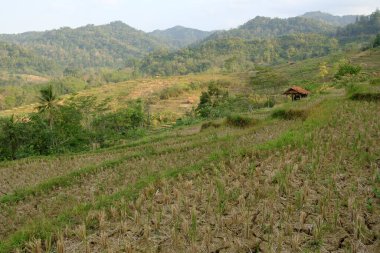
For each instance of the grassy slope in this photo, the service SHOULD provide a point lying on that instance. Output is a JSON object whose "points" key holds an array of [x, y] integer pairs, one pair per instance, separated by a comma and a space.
{"points": [[277, 186], [121, 93], [304, 73]]}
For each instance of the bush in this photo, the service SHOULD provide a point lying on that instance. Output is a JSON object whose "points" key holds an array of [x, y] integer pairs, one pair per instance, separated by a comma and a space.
{"points": [[290, 114], [120, 123], [210, 100], [365, 96], [210, 124], [347, 69], [171, 92], [236, 120]]}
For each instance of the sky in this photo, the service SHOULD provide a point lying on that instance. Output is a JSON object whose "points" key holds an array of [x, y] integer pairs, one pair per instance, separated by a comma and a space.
{"points": [[18, 16]]}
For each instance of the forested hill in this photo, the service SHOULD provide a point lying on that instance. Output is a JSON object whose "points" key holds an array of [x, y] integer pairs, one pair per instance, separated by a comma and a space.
{"points": [[179, 36], [238, 54], [330, 19], [261, 40], [16, 59], [263, 27], [109, 45]]}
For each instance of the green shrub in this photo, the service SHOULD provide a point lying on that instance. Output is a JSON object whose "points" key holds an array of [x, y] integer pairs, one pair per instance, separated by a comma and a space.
{"points": [[347, 69], [171, 92], [290, 114], [120, 123], [210, 100], [239, 120]]}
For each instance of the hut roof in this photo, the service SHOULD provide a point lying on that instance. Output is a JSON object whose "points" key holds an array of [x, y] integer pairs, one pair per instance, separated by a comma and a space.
{"points": [[296, 90]]}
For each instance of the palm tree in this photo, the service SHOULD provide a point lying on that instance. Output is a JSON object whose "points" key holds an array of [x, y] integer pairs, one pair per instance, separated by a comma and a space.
{"points": [[48, 103]]}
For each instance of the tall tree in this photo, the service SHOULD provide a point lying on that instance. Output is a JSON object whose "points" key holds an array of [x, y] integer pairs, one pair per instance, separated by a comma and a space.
{"points": [[48, 103]]}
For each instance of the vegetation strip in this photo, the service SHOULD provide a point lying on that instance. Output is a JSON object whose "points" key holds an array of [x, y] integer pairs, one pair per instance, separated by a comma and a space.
{"points": [[43, 229], [150, 140]]}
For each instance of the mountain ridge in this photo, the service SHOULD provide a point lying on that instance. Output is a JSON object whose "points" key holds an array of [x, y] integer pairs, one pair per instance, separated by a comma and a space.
{"points": [[180, 36], [334, 20]]}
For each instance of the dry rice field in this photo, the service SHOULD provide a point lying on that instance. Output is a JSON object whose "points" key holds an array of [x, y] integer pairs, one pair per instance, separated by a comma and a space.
{"points": [[279, 186]]}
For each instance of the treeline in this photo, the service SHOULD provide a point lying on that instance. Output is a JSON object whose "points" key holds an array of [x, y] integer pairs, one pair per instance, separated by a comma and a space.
{"points": [[77, 125], [364, 25], [264, 27]]}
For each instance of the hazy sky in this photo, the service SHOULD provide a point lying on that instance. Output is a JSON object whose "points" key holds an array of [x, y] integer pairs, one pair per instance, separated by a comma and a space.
{"points": [[26, 15]]}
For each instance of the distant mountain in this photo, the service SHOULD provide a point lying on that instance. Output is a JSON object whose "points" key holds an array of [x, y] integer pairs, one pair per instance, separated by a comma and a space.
{"points": [[263, 27], [179, 36], [331, 19], [110, 45], [17, 59], [365, 27]]}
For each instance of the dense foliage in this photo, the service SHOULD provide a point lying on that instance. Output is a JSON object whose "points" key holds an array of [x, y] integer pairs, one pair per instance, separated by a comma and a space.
{"points": [[18, 59], [236, 54], [76, 125], [210, 100], [263, 27], [347, 69], [111, 45]]}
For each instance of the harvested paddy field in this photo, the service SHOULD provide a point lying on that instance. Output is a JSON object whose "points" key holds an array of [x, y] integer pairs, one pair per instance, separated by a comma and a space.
{"points": [[299, 185]]}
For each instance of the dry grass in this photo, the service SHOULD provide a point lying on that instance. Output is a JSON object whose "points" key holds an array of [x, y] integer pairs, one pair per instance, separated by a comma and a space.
{"points": [[313, 198], [111, 180], [121, 93]]}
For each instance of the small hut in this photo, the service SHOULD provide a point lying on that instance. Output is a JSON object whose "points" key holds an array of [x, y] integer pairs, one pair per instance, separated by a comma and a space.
{"points": [[297, 92]]}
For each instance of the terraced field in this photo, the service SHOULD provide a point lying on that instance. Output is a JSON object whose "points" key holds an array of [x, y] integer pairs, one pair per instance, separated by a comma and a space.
{"points": [[148, 88], [277, 186], [299, 185]]}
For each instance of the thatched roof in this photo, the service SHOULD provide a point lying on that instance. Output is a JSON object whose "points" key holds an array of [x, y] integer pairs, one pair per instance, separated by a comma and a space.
{"points": [[296, 90]]}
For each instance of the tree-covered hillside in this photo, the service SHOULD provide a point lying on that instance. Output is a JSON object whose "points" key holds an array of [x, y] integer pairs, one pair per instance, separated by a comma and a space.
{"points": [[16, 59], [109, 45], [263, 27], [234, 54], [179, 36], [331, 19], [259, 41]]}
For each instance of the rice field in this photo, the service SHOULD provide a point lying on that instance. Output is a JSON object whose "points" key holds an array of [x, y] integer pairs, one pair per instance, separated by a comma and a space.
{"points": [[278, 186], [285, 184]]}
